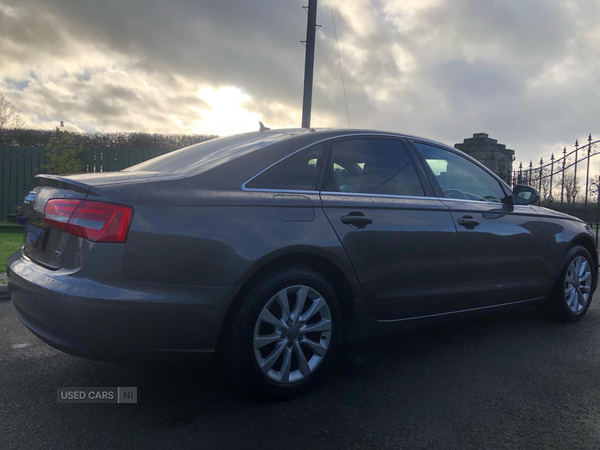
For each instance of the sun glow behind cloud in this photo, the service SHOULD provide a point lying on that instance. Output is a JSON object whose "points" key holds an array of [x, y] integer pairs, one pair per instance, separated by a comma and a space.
{"points": [[226, 114]]}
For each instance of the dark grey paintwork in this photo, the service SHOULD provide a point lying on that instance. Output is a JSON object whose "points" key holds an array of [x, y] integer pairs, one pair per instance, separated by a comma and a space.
{"points": [[198, 236]]}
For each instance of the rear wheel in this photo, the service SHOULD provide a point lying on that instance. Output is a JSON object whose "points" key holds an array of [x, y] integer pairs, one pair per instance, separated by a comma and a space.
{"points": [[284, 335], [573, 289]]}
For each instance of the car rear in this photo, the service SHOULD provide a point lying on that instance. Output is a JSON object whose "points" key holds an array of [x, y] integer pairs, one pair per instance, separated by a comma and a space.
{"points": [[68, 286]]}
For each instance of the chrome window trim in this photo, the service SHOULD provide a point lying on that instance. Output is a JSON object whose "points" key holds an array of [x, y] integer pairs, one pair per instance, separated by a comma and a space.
{"points": [[280, 191], [470, 201], [412, 197], [299, 191], [361, 194]]}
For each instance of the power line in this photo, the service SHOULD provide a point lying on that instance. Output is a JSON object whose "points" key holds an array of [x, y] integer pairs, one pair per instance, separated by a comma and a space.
{"points": [[340, 61]]}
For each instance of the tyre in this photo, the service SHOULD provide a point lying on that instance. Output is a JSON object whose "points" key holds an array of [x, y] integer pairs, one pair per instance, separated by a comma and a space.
{"points": [[284, 334], [573, 289]]}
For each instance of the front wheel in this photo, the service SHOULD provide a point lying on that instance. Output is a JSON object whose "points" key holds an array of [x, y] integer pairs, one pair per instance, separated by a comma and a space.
{"points": [[573, 288], [284, 335]]}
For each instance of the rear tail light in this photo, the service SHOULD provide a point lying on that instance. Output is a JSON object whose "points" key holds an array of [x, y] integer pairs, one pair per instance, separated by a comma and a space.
{"points": [[96, 221], [58, 212]]}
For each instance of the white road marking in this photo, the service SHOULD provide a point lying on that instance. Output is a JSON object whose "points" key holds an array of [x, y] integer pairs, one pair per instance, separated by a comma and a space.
{"points": [[21, 345]]}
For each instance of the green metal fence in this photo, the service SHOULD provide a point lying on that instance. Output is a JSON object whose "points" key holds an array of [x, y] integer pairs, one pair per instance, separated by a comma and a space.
{"points": [[19, 165]]}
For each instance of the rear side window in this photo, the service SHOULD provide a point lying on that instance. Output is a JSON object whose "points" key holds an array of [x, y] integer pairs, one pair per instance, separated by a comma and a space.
{"points": [[298, 172], [200, 158], [373, 166]]}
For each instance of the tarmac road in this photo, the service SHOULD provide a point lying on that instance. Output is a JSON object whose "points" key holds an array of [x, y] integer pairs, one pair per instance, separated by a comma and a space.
{"points": [[505, 381]]}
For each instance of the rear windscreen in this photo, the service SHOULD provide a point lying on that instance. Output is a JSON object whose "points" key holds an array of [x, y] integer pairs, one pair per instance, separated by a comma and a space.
{"points": [[207, 155]]}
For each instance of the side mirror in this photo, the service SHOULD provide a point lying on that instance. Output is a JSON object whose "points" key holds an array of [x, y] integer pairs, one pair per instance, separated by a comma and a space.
{"points": [[523, 195]]}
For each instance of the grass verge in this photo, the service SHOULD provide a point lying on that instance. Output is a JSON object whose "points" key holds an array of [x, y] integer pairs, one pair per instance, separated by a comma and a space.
{"points": [[10, 241]]}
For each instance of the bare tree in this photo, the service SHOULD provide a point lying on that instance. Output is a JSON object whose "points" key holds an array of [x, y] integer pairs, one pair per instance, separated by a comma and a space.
{"points": [[544, 186], [10, 117], [571, 187]]}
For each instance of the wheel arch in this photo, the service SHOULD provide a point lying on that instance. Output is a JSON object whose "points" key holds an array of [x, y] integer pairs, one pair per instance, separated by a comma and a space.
{"points": [[345, 284], [333, 262], [588, 243]]}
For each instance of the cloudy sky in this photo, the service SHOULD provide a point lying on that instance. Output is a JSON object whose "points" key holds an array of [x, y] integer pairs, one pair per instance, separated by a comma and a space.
{"points": [[524, 71]]}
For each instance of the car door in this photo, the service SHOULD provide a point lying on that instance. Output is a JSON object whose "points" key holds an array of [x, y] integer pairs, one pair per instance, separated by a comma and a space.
{"points": [[500, 252], [401, 241]]}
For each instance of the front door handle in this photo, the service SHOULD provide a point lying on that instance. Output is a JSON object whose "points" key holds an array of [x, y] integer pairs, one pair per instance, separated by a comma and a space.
{"points": [[468, 222], [357, 220]]}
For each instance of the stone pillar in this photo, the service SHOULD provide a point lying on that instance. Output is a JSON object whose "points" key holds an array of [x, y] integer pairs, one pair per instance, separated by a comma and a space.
{"points": [[487, 151]]}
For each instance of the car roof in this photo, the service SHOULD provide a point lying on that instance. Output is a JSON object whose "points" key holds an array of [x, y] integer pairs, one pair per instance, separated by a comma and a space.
{"points": [[333, 132]]}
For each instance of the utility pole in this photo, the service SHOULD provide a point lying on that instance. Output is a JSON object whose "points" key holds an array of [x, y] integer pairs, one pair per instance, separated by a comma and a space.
{"points": [[309, 62]]}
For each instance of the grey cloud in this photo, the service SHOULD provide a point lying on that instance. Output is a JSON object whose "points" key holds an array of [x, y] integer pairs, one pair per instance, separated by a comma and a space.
{"points": [[31, 33], [121, 93], [467, 82], [255, 45], [477, 65]]}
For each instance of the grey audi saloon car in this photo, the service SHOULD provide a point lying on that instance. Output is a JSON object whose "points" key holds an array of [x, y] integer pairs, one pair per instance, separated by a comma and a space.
{"points": [[269, 249]]}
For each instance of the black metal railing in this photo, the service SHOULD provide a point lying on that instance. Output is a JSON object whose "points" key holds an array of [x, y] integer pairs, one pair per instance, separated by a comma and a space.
{"points": [[560, 186]]}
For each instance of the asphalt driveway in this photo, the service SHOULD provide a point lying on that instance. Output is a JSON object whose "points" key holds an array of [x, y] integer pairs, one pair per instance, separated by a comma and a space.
{"points": [[510, 381]]}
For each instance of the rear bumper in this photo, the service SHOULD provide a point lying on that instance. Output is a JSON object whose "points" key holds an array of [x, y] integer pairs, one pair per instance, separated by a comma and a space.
{"points": [[122, 321]]}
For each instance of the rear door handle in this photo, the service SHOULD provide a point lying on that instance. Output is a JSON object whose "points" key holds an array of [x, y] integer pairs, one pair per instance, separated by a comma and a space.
{"points": [[359, 221], [468, 222]]}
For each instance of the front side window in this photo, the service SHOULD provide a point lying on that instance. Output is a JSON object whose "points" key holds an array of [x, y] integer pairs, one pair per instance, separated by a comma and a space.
{"points": [[298, 172], [459, 178], [372, 166]]}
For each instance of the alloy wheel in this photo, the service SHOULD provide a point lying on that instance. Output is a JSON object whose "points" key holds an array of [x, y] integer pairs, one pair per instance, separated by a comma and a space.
{"points": [[292, 334], [578, 284]]}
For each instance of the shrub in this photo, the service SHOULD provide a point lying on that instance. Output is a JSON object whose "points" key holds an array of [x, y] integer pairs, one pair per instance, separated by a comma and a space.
{"points": [[65, 154]]}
